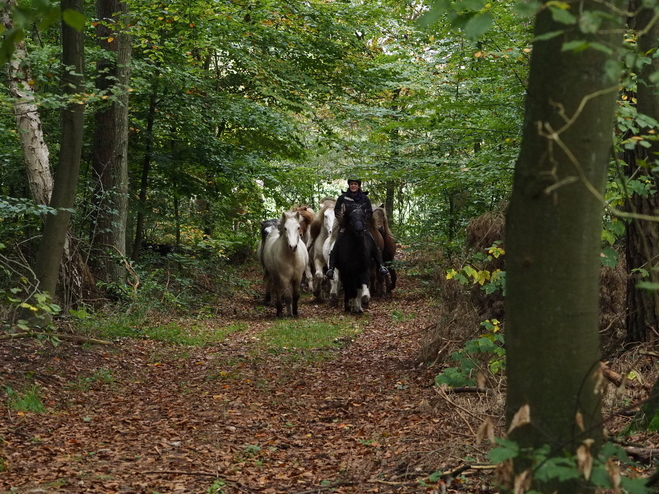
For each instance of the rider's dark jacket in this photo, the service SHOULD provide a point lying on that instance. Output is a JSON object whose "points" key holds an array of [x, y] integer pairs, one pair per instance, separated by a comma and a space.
{"points": [[359, 198]]}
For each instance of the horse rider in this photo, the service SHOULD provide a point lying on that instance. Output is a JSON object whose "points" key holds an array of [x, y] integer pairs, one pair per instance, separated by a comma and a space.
{"points": [[355, 195]]}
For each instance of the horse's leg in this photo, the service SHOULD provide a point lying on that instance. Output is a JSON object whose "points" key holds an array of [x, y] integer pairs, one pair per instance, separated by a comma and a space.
{"points": [[364, 278], [364, 296], [319, 264], [288, 301], [309, 277], [278, 304], [267, 299], [357, 304], [334, 288], [296, 297], [394, 277]]}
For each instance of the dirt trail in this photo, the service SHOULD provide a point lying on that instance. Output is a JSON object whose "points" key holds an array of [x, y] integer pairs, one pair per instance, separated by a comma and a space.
{"points": [[178, 419]]}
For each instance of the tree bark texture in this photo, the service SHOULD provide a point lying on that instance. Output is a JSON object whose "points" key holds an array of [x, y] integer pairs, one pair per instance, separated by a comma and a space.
{"points": [[144, 181], [28, 120], [553, 231], [51, 248], [110, 155], [642, 247]]}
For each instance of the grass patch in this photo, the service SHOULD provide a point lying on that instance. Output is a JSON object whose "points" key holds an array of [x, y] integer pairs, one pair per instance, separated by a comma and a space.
{"points": [[27, 401], [189, 333], [307, 334]]}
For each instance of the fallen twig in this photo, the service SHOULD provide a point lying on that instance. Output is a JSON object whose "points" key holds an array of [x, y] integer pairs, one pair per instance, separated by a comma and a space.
{"points": [[645, 454], [470, 389], [469, 466], [619, 380]]}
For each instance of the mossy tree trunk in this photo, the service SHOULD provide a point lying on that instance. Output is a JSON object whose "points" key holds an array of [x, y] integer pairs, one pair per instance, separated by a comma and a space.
{"points": [[51, 247], [553, 231], [110, 157]]}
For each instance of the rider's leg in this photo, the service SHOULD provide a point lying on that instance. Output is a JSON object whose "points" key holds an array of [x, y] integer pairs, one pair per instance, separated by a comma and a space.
{"points": [[377, 257]]}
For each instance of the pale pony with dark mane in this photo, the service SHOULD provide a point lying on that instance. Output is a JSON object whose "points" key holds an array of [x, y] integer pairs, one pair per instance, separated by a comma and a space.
{"points": [[285, 258]]}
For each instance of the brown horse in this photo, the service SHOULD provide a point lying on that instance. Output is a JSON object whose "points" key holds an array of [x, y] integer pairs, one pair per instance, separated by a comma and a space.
{"points": [[386, 243], [306, 217]]}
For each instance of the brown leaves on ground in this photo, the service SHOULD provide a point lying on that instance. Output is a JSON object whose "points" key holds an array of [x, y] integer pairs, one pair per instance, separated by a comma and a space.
{"points": [[145, 417]]}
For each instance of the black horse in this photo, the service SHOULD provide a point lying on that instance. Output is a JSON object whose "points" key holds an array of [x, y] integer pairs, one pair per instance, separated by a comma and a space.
{"points": [[354, 250]]}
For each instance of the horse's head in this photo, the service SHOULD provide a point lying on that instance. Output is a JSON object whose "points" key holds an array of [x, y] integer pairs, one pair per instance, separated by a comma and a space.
{"points": [[267, 226], [289, 227], [328, 219], [356, 219]]}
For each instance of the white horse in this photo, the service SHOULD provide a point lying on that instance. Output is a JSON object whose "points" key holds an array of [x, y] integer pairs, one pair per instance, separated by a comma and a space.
{"points": [[285, 257], [335, 282], [322, 228], [267, 227]]}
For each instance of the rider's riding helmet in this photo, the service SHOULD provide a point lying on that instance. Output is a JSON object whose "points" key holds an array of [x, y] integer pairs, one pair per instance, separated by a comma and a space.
{"points": [[353, 179]]}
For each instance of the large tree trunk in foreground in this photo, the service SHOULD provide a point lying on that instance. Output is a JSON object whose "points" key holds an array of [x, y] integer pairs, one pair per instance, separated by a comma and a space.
{"points": [[553, 232], [51, 247], [110, 157], [643, 236]]}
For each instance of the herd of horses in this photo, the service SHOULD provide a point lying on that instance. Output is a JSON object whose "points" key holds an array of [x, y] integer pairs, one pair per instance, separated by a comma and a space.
{"points": [[294, 252]]}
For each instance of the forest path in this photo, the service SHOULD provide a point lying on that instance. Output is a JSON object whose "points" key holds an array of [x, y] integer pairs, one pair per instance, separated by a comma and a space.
{"points": [[146, 417]]}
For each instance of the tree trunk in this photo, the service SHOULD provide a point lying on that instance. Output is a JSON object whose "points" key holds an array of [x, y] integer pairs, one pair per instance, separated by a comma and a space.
{"points": [[110, 157], [553, 231], [28, 121], [144, 182], [390, 191], [642, 247], [51, 247]]}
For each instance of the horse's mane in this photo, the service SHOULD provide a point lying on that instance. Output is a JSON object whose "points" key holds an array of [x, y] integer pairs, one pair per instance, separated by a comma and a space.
{"points": [[317, 223], [325, 201], [380, 220], [306, 212], [307, 215]]}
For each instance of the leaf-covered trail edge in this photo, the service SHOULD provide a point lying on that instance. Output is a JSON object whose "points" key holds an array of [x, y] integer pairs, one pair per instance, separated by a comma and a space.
{"points": [[183, 419]]}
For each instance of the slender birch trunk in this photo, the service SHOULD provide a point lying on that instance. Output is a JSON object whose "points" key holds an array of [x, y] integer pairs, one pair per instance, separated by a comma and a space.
{"points": [[28, 121]]}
